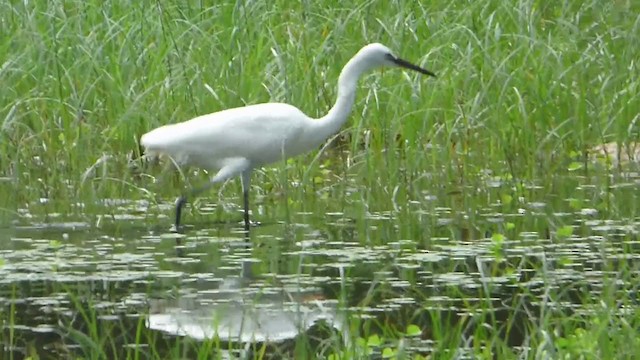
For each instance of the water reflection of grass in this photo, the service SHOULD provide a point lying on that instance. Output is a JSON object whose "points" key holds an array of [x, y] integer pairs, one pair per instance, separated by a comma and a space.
{"points": [[496, 148]]}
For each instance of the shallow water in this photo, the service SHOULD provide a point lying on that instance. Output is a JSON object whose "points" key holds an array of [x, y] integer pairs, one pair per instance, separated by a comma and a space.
{"points": [[316, 272]]}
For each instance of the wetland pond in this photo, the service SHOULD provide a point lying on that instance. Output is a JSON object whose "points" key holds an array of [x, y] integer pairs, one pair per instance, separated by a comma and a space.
{"points": [[122, 285]]}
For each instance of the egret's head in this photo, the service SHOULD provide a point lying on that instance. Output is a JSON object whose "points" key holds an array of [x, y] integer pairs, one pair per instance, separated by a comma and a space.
{"points": [[379, 55]]}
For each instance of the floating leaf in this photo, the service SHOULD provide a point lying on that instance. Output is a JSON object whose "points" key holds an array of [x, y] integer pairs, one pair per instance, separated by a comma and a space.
{"points": [[55, 243], [413, 330], [565, 231], [564, 260], [388, 353], [497, 238], [575, 166], [373, 340], [575, 203]]}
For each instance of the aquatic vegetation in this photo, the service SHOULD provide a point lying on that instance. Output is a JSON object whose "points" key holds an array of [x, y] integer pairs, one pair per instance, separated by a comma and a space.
{"points": [[469, 219]]}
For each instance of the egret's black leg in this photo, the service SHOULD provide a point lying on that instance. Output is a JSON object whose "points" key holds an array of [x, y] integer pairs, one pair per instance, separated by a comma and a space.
{"points": [[231, 169], [246, 182], [179, 205], [246, 211]]}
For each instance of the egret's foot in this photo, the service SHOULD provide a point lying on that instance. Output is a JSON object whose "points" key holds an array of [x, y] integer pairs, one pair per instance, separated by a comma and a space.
{"points": [[249, 224], [176, 229], [255, 223]]}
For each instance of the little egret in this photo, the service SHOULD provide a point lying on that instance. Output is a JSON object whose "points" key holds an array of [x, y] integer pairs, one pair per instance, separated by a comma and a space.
{"points": [[237, 140]]}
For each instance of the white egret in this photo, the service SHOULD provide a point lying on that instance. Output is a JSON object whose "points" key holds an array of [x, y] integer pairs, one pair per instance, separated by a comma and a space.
{"points": [[235, 141]]}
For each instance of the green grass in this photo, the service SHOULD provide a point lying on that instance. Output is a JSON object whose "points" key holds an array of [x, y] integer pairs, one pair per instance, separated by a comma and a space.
{"points": [[524, 89]]}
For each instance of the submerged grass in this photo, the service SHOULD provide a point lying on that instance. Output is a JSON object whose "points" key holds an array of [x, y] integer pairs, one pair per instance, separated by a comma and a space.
{"points": [[524, 89]]}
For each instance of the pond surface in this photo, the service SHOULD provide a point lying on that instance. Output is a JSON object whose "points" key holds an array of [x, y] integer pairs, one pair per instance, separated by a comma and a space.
{"points": [[320, 275]]}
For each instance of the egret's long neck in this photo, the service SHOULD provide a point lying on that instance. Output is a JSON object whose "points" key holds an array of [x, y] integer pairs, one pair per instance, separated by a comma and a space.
{"points": [[337, 116]]}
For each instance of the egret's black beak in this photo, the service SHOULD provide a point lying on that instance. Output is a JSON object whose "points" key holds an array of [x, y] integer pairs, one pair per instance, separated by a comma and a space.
{"points": [[407, 65]]}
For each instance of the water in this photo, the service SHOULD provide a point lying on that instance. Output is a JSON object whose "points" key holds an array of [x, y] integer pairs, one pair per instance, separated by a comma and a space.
{"points": [[122, 276]]}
